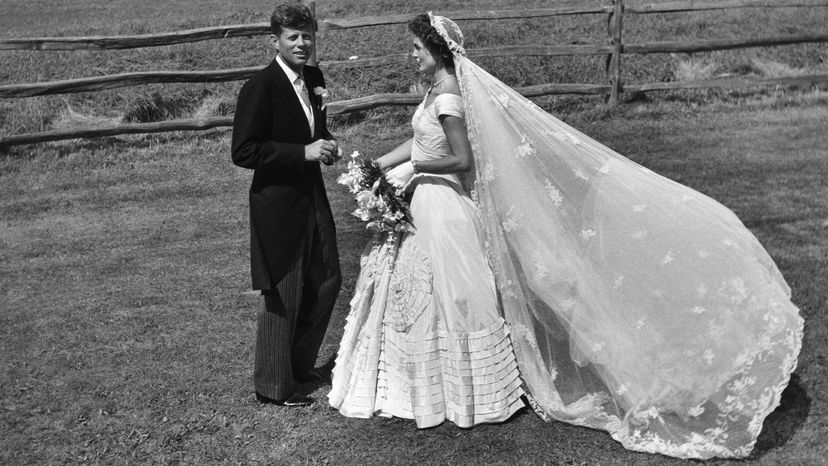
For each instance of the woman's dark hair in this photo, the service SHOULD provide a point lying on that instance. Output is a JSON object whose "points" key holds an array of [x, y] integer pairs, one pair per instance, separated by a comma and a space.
{"points": [[421, 27], [290, 15]]}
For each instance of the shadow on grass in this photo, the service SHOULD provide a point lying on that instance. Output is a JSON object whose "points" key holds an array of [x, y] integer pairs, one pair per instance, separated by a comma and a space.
{"points": [[326, 369], [324, 372], [781, 425]]}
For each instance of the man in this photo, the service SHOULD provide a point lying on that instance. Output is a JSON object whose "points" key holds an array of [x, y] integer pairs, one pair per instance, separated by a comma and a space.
{"points": [[280, 132]]}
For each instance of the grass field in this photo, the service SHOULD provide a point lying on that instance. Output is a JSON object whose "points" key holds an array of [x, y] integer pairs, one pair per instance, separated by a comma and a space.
{"points": [[126, 324]]}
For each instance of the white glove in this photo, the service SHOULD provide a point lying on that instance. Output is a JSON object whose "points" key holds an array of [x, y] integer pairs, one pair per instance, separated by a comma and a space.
{"points": [[400, 175]]}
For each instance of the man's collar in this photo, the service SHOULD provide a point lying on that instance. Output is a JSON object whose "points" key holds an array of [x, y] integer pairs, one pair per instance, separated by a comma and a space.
{"points": [[291, 75]]}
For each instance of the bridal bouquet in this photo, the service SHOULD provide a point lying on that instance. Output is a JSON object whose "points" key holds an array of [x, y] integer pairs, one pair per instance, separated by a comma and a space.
{"points": [[379, 203]]}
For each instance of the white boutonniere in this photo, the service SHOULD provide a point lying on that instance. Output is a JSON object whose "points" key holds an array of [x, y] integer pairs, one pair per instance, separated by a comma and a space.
{"points": [[322, 94]]}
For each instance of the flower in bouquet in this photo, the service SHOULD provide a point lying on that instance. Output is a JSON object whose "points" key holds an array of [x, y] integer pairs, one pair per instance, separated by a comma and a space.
{"points": [[379, 203]]}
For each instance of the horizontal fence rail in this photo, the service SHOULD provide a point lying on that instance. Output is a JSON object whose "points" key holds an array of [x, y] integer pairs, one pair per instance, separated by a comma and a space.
{"points": [[116, 130], [334, 109], [114, 81], [722, 44], [258, 29], [385, 100], [134, 41], [574, 9], [506, 51], [158, 77], [692, 5]]}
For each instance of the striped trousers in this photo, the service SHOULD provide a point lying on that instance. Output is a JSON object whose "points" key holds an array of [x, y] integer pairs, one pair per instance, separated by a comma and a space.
{"points": [[295, 314]]}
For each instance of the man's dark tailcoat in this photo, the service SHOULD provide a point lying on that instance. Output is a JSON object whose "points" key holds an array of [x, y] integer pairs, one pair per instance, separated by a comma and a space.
{"points": [[294, 259]]}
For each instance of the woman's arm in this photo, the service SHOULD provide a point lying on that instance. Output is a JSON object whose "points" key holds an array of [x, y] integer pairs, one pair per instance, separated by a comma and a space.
{"points": [[458, 139], [397, 156]]}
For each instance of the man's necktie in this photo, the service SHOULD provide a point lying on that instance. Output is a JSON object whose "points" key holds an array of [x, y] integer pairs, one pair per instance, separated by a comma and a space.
{"points": [[303, 93]]}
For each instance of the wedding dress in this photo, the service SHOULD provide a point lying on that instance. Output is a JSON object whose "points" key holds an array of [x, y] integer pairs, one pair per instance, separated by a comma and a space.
{"points": [[425, 339]]}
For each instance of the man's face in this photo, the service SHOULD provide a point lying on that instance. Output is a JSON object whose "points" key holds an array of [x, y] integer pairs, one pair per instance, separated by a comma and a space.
{"points": [[294, 45]]}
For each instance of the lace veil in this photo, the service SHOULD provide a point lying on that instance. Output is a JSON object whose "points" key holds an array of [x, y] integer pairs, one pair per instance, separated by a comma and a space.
{"points": [[636, 305]]}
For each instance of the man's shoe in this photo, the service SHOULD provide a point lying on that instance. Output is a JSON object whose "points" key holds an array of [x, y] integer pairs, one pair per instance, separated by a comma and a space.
{"points": [[293, 401], [308, 376]]}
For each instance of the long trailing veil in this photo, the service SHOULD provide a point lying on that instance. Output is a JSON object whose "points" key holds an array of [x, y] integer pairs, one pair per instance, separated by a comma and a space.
{"points": [[637, 305]]}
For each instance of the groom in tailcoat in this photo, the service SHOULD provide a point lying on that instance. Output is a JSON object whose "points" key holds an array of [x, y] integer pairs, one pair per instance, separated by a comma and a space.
{"points": [[280, 132]]}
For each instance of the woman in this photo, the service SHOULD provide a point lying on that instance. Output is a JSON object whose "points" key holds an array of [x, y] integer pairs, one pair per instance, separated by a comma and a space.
{"points": [[636, 305], [425, 339]]}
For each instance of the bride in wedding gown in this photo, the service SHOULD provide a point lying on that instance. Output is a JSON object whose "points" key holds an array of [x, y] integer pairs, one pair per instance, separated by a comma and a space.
{"points": [[631, 303], [425, 339]]}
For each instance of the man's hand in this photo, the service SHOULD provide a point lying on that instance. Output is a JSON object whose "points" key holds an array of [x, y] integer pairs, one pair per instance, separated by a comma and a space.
{"points": [[321, 150], [337, 153]]}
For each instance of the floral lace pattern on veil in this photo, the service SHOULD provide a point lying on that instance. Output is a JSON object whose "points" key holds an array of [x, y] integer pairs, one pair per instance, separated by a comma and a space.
{"points": [[450, 32]]}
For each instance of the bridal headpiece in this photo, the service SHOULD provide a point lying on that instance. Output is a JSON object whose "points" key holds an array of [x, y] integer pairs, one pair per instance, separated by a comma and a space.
{"points": [[450, 32]]}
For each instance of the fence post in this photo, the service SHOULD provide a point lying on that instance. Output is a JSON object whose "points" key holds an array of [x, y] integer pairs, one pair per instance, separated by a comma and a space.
{"points": [[614, 25], [314, 61]]}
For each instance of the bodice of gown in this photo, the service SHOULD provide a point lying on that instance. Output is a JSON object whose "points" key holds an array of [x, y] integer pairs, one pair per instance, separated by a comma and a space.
{"points": [[430, 142]]}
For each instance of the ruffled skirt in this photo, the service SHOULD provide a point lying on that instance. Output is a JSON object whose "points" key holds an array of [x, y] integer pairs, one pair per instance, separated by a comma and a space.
{"points": [[424, 339]]}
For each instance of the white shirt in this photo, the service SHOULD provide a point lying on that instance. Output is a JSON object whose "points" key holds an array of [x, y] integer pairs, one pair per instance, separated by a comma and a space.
{"points": [[299, 87]]}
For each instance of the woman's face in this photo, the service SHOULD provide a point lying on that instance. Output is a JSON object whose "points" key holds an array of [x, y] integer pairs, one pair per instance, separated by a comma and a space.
{"points": [[426, 62]]}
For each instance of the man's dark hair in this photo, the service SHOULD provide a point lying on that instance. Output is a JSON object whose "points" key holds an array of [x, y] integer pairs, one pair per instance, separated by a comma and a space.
{"points": [[421, 27], [292, 15]]}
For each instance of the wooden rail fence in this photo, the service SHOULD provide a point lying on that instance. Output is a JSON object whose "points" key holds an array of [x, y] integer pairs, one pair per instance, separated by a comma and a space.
{"points": [[614, 52]]}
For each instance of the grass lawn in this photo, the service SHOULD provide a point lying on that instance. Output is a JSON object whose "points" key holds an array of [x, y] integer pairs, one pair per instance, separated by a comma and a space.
{"points": [[127, 326], [126, 321]]}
